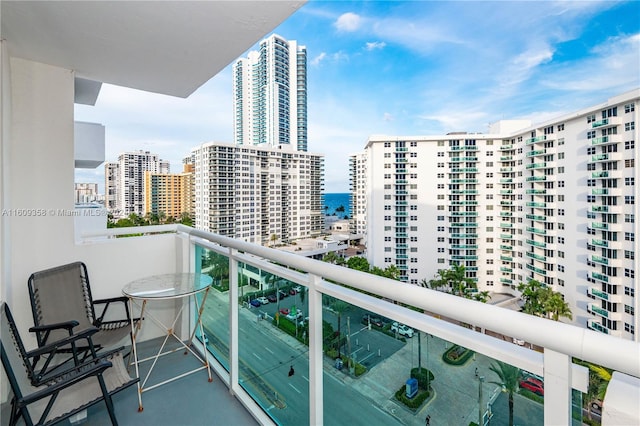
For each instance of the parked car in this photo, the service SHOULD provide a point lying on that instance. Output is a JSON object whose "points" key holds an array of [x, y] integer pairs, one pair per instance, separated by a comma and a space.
{"points": [[292, 291], [272, 298], [294, 316], [518, 342], [263, 300], [298, 289], [402, 329], [255, 303], [369, 319], [284, 311], [283, 294], [533, 385]]}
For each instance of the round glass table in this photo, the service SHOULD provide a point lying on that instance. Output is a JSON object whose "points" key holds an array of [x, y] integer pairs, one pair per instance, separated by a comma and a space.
{"points": [[163, 287]]}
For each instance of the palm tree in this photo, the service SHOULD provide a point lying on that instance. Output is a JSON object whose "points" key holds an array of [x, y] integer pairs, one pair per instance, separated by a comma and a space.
{"points": [[532, 293], [509, 378], [339, 306], [273, 239], [555, 305]]}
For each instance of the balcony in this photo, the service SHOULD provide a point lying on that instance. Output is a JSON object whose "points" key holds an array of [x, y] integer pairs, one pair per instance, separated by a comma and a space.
{"points": [[251, 356], [536, 139]]}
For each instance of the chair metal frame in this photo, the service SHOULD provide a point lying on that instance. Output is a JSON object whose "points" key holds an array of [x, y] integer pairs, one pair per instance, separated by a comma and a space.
{"points": [[46, 330], [51, 384]]}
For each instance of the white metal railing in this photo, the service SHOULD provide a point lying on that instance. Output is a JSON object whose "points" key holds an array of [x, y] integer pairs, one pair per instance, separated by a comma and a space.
{"points": [[560, 341]]}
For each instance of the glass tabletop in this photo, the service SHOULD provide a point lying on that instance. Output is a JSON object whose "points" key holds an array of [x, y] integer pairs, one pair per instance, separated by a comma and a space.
{"points": [[167, 286]]}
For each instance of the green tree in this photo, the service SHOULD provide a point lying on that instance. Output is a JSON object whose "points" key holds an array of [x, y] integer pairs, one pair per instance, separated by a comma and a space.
{"points": [[331, 257], [533, 294], [186, 219], [339, 306], [453, 280], [358, 263], [542, 301], [508, 379], [556, 307], [273, 239]]}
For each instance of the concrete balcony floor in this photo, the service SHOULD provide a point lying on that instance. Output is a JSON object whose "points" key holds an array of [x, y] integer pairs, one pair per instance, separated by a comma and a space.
{"points": [[189, 401]]}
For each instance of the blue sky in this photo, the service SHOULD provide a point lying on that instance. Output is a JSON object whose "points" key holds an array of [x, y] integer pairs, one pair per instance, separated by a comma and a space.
{"points": [[404, 68]]}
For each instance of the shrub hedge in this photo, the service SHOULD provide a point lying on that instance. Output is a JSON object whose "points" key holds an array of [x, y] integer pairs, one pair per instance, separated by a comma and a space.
{"points": [[457, 355], [415, 402]]}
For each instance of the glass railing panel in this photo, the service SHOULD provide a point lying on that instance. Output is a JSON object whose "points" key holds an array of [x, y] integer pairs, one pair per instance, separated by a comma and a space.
{"points": [[215, 316], [372, 362], [273, 344]]}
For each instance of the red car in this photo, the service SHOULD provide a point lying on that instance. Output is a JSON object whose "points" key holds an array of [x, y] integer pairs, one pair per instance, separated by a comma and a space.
{"points": [[533, 385], [284, 311]]}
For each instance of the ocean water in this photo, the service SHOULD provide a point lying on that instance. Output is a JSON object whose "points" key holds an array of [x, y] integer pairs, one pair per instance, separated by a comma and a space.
{"points": [[334, 200]]}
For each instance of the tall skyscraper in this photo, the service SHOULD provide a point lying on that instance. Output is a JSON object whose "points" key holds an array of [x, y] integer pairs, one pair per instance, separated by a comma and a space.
{"points": [[554, 202], [124, 181], [270, 95], [258, 194]]}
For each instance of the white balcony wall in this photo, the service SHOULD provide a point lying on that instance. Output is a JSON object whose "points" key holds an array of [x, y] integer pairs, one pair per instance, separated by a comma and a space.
{"points": [[37, 196]]}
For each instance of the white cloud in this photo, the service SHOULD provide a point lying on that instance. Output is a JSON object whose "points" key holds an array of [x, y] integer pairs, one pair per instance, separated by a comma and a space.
{"points": [[388, 117], [373, 45], [348, 22], [316, 61]]}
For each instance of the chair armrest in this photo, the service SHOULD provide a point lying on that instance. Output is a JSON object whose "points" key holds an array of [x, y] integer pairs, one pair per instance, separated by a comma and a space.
{"points": [[51, 347], [68, 325], [123, 299], [81, 372], [107, 302]]}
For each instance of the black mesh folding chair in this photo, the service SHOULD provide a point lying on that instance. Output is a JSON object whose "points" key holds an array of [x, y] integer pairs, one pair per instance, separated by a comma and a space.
{"points": [[46, 400], [61, 302]]}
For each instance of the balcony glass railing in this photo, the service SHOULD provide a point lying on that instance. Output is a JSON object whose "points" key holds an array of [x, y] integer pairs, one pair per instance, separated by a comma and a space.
{"points": [[536, 139], [593, 308], [598, 293], [536, 178], [317, 313]]}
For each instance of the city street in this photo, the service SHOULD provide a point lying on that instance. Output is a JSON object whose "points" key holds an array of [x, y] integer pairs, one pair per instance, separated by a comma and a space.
{"points": [[266, 355]]}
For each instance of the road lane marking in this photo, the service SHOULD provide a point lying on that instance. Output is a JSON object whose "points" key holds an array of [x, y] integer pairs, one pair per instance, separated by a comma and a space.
{"points": [[294, 388], [256, 355], [306, 378], [269, 350]]}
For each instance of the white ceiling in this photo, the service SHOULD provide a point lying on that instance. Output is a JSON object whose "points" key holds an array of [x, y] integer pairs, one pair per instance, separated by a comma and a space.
{"points": [[169, 47]]}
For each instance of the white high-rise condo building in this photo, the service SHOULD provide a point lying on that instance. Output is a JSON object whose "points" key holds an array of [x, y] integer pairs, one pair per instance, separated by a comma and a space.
{"points": [[270, 95], [556, 202], [124, 181], [258, 194]]}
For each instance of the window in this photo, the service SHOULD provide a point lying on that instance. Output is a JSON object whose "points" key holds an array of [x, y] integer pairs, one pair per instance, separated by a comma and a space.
{"points": [[560, 212], [440, 143], [560, 240], [629, 199], [440, 249], [440, 175], [560, 282], [628, 254], [440, 260], [489, 153], [489, 163], [560, 170], [591, 118], [560, 268], [560, 155], [441, 239], [630, 273], [440, 228], [591, 134], [561, 197], [629, 144], [560, 225], [387, 218], [560, 184], [441, 186], [387, 144], [629, 291], [629, 309], [629, 162], [629, 328], [440, 165], [561, 140], [560, 127], [629, 108], [629, 218], [630, 126], [629, 236], [561, 254], [489, 175], [440, 154]]}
